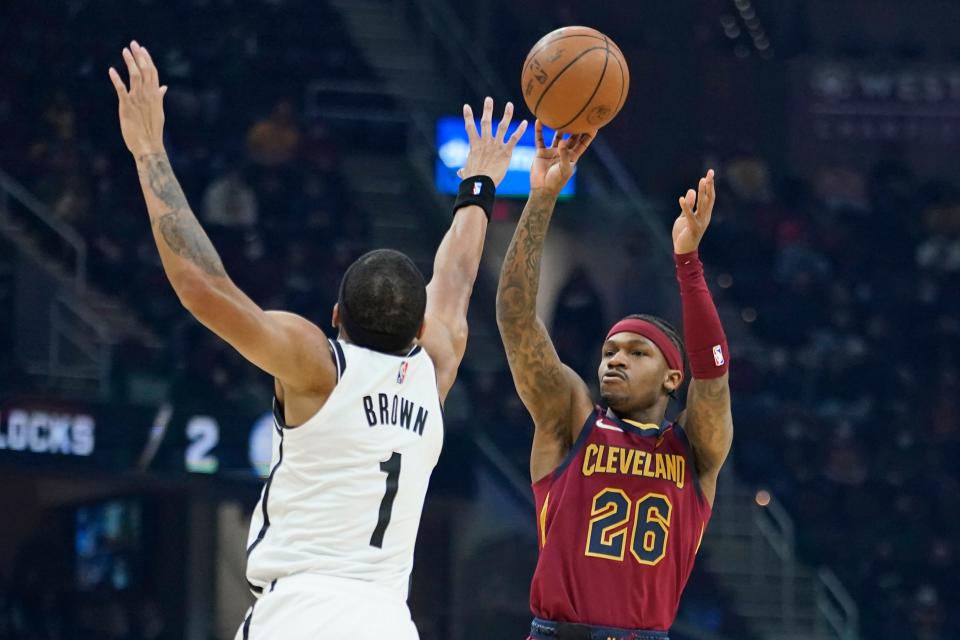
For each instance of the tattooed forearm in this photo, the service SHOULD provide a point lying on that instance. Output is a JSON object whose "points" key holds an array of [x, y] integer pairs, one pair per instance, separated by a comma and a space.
{"points": [[520, 276], [185, 238], [538, 374], [178, 227], [162, 182]]}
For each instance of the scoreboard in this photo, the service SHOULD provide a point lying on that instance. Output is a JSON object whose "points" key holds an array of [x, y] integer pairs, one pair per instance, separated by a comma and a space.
{"points": [[52, 433]]}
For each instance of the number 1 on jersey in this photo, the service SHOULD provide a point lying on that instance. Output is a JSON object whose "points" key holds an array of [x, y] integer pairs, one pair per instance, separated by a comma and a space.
{"points": [[392, 468]]}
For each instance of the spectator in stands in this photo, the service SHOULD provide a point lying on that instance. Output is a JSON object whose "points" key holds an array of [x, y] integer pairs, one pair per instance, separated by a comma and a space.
{"points": [[319, 150], [150, 621], [945, 414], [749, 179], [578, 322], [300, 282], [229, 201], [927, 614], [275, 140], [940, 250], [844, 462], [319, 207]]}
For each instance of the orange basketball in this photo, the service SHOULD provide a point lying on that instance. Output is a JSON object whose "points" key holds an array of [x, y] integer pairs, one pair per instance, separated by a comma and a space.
{"points": [[575, 79]]}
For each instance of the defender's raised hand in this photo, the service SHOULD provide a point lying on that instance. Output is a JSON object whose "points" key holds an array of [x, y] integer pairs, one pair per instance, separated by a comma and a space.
{"points": [[692, 223], [141, 107], [489, 154], [554, 165]]}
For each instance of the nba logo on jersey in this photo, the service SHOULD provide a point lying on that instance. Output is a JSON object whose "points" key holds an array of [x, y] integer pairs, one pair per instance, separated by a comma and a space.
{"points": [[718, 355], [402, 373], [476, 188]]}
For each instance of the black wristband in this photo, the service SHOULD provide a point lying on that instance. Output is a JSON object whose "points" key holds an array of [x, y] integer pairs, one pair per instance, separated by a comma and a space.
{"points": [[478, 190]]}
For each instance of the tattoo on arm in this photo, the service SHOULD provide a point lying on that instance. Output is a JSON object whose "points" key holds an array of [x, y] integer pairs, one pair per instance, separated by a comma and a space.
{"points": [[520, 276], [709, 422], [178, 226], [538, 374]]}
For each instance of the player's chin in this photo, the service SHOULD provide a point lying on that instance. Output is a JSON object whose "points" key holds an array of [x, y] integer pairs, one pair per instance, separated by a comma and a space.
{"points": [[611, 397], [613, 385]]}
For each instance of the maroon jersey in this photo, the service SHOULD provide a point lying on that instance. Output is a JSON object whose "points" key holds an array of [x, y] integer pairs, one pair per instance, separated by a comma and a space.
{"points": [[620, 523]]}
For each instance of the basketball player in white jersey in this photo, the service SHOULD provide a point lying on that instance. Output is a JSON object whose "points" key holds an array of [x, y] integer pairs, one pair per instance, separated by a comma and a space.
{"points": [[358, 419]]}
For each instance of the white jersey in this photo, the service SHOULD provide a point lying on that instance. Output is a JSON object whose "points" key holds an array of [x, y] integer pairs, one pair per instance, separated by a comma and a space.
{"points": [[346, 488]]}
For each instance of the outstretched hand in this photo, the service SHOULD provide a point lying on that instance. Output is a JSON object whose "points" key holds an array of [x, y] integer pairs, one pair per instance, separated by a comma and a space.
{"points": [[141, 107], [689, 227], [489, 154], [553, 165]]}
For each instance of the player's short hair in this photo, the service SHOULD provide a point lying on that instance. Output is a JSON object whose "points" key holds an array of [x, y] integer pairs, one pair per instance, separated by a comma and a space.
{"points": [[383, 297], [668, 329]]}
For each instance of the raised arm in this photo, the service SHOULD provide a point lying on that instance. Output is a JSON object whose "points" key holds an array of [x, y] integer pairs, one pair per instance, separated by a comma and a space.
{"points": [[557, 399], [458, 257], [708, 419], [287, 346]]}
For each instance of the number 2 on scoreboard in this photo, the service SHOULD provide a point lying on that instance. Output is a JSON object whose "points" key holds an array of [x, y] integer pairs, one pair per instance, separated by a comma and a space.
{"points": [[610, 526]]}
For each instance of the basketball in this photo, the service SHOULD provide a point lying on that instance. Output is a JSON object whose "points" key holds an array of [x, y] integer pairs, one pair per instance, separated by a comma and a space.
{"points": [[575, 79]]}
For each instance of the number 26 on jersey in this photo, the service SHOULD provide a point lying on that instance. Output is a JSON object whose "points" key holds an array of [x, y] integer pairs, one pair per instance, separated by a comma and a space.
{"points": [[611, 530]]}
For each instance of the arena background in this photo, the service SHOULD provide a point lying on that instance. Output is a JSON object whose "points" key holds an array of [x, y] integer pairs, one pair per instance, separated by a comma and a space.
{"points": [[304, 133]]}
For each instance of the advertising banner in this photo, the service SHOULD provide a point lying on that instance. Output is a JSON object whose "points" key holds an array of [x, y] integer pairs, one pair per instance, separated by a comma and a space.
{"points": [[857, 112]]}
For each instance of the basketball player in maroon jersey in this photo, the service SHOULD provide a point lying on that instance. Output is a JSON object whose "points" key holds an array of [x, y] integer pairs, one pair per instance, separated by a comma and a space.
{"points": [[623, 496]]}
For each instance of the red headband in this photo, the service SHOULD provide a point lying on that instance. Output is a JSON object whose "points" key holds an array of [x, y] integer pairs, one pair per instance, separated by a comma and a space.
{"points": [[656, 335]]}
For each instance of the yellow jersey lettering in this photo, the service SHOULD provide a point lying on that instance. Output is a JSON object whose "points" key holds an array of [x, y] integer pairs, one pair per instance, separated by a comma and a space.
{"points": [[638, 463], [612, 459], [589, 465], [599, 458]]}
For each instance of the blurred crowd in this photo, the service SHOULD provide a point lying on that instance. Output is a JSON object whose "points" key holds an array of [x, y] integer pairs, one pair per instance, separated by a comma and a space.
{"points": [[847, 392], [841, 289], [264, 179], [46, 613], [41, 600]]}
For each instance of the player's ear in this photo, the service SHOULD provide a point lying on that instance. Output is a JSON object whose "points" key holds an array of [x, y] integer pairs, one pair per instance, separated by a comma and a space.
{"points": [[423, 327], [335, 317], [672, 380]]}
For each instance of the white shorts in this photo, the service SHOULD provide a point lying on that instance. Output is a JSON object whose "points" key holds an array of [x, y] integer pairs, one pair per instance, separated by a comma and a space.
{"points": [[307, 607]]}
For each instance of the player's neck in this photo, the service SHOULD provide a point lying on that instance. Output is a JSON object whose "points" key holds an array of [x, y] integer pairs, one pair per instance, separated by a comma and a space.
{"points": [[648, 415], [343, 337]]}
